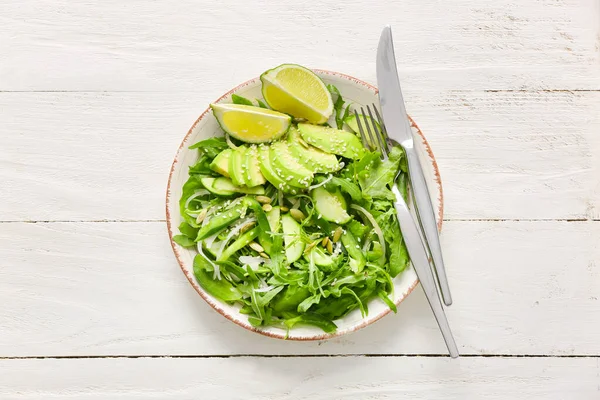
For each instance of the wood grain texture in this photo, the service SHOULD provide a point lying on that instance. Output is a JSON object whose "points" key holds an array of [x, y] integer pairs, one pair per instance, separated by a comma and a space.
{"points": [[342, 378], [115, 288], [95, 98], [200, 46], [95, 156]]}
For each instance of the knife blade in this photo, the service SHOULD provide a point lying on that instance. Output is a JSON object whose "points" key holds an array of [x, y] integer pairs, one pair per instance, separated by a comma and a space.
{"points": [[390, 93], [398, 128]]}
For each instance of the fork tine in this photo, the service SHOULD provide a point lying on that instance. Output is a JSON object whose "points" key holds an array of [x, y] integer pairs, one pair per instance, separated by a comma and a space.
{"points": [[382, 146], [372, 142], [383, 130], [361, 130]]}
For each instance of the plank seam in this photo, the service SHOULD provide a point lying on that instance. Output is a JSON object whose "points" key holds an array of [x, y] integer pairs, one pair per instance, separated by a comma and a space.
{"points": [[375, 355], [57, 221]]}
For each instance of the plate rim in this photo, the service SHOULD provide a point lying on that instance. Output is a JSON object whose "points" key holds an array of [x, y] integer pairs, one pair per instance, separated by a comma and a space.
{"points": [[283, 335]]}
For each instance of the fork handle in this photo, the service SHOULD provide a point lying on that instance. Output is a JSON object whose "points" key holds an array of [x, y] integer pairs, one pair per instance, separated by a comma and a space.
{"points": [[420, 261], [425, 214]]}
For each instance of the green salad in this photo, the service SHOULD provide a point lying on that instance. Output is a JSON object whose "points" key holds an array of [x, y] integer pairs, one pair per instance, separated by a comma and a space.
{"points": [[293, 218]]}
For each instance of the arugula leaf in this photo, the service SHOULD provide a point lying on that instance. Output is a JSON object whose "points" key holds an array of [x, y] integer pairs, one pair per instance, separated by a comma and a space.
{"points": [[345, 186], [338, 105], [310, 318], [357, 229], [188, 230], [208, 149], [211, 147], [290, 298], [240, 100], [190, 187], [378, 176], [308, 302], [398, 254], [184, 241], [221, 289], [383, 296]]}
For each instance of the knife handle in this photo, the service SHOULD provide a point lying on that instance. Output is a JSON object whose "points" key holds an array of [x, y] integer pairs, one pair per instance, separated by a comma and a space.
{"points": [[427, 221], [420, 261]]}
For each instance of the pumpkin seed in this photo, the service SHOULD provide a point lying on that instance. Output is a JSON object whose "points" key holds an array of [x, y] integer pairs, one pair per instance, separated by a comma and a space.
{"points": [[263, 199], [297, 214], [256, 247], [337, 234]]}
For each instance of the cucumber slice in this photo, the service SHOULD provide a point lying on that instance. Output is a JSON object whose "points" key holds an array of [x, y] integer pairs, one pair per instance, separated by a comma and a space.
{"points": [[294, 246], [320, 258], [273, 216], [224, 185], [331, 206], [209, 184]]}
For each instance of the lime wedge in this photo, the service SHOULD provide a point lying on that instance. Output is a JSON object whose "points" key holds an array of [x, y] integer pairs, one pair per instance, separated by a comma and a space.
{"points": [[295, 90], [251, 124]]}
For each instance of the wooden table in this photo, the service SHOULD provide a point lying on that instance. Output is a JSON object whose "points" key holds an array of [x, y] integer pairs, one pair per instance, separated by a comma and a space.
{"points": [[95, 98]]}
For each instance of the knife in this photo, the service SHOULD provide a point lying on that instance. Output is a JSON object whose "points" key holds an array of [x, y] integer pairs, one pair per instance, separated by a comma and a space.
{"points": [[399, 129]]}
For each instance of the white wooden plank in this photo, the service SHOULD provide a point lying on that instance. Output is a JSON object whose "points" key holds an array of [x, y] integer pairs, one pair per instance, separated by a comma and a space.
{"points": [[302, 378], [92, 156], [115, 288], [194, 45]]}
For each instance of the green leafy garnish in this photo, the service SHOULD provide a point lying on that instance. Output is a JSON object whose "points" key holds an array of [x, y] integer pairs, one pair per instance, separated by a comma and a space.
{"points": [[338, 106], [342, 258], [240, 100], [236, 99]]}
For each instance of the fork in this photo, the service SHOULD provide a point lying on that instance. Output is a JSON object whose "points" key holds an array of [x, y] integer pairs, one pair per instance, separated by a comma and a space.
{"points": [[410, 232]]}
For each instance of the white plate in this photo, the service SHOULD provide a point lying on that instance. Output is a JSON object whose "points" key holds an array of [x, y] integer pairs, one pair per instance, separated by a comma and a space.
{"points": [[206, 126]]}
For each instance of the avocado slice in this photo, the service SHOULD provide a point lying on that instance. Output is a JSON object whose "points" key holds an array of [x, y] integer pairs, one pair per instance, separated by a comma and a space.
{"points": [[236, 166], [220, 163], [312, 158], [331, 140], [252, 175], [294, 246], [330, 206], [222, 186], [288, 167], [264, 156]]}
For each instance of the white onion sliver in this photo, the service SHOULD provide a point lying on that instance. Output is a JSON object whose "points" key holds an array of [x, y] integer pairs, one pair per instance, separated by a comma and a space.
{"points": [[229, 142], [197, 193], [365, 247], [208, 216], [338, 249], [217, 269], [264, 289], [251, 261], [321, 184], [210, 240], [234, 231], [375, 225]]}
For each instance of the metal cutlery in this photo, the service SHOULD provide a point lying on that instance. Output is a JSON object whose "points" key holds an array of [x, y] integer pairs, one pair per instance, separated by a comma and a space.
{"points": [[377, 139], [399, 129]]}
